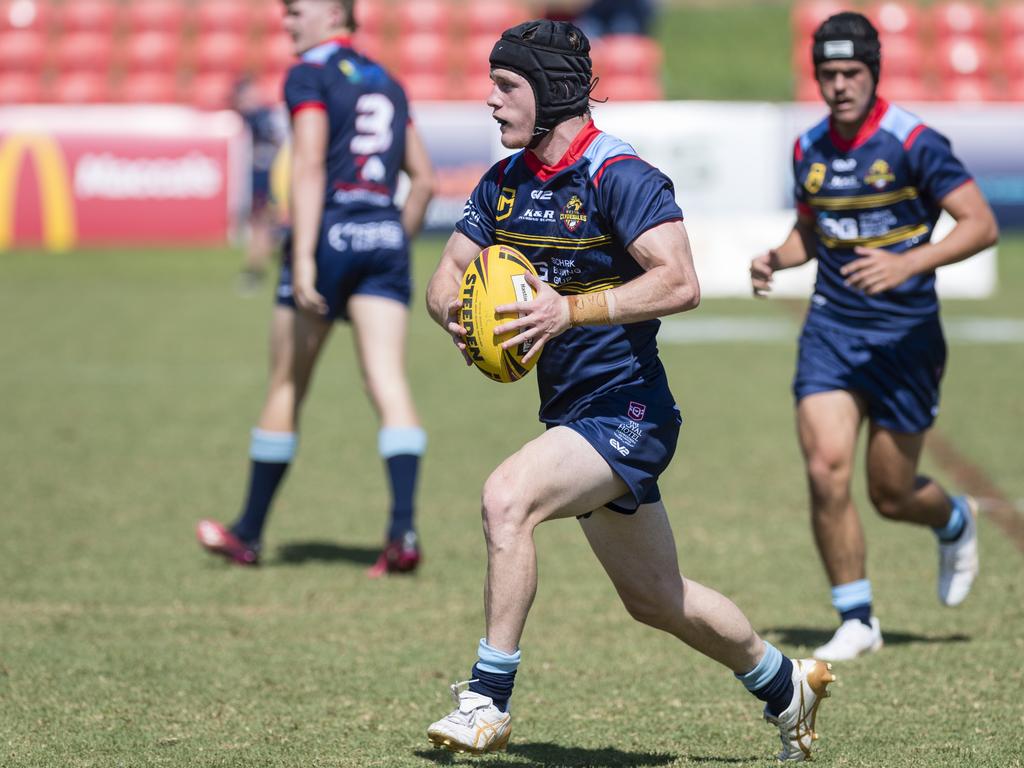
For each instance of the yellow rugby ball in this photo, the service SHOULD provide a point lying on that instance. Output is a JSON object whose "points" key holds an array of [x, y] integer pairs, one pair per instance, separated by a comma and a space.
{"points": [[497, 276]]}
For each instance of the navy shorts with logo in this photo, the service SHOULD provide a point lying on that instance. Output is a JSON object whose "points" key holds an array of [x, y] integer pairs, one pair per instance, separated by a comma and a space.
{"points": [[897, 373], [635, 429], [354, 257]]}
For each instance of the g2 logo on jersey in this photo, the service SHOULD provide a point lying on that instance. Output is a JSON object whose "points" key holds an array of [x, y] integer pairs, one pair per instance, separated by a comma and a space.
{"points": [[815, 178]]}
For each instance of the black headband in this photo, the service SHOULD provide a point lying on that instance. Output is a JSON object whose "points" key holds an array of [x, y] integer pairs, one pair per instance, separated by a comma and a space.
{"points": [[848, 35], [554, 57]]}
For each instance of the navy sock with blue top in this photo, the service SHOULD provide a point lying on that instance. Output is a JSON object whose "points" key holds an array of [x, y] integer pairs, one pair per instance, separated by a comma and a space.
{"points": [[271, 454], [494, 674], [954, 527], [771, 680], [853, 600], [401, 448]]}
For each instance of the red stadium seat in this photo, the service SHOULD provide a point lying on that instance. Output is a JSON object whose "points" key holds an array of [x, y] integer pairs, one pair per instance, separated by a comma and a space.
{"points": [[85, 52], [627, 55], [1010, 18], [81, 88], [373, 47], [267, 18], [35, 15], [803, 65], [1013, 57], [963, 57], [276, 53], [492, 17], [271, 88], [221, 52], [155, 16], [20, 88], [372, 17], [148, 88], [426, 87], [474, 54], [1015, 89], [424, 16], [896, 18], [87, 15], [903, 56], [222, 16], [969, 89], [807, 89], [22, 51], [628, 88], [423, 54], [211, 90], [809, 14], [901, 89], [152, 51], [960, 19], [474, 87]]}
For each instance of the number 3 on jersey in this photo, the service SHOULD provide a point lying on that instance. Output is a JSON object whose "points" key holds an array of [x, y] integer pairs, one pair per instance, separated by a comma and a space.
{"points": [[374, 113]]}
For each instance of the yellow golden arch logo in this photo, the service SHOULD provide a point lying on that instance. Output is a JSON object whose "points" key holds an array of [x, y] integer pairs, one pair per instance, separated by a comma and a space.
{"points": [[815, 178], [56, 203], [506, 199]]}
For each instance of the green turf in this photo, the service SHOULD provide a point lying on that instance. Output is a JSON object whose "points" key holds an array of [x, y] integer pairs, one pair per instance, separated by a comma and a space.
{"points": [[129, 381]]}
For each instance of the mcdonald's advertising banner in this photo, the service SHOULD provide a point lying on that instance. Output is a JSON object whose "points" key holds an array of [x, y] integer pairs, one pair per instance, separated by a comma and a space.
{"points": [[118, 176]]}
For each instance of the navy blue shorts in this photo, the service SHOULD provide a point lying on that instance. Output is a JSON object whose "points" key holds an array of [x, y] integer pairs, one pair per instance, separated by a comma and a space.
{"points": [[897, 374], [635, 429], [260, 190], [354, 257]]}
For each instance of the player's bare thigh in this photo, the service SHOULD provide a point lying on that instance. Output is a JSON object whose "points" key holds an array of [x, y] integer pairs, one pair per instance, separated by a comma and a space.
{"points": [[558, 474], [828, 424], [380, 326]]}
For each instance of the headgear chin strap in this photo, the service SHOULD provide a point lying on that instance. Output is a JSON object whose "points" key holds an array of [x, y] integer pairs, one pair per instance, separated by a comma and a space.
{"points": [[554, 57], [848, 35]]}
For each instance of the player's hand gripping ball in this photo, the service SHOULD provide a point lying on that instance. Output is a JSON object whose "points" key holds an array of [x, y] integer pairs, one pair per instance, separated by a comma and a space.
{"points": [[497, 276]]}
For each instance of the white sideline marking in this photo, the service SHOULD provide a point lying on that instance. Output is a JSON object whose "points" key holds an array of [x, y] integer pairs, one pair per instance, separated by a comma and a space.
{"points": [[715, 330]]}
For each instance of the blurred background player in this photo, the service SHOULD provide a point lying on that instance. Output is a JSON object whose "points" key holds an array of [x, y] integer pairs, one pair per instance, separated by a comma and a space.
{"points": [[268, 131], [871, 181], [597, 18], [614, 256], [347, 258]]}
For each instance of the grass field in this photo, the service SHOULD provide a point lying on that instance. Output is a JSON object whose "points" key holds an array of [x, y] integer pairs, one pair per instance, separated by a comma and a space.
{"points": [[129, 382]]}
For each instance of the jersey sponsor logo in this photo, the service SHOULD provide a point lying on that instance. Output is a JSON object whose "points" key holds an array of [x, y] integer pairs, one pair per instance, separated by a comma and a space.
{"points": [[815, 178], [636, 411], [506, 199], [56, 204], [470, 214], [369, 236], [629, 432], [572, 214], [540, 194], [532, 214], [879, 175], [623, 450], [844, 182], [844, 164]]}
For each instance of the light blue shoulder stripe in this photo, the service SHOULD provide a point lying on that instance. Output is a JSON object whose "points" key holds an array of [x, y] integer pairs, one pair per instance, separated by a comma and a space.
{"points": [[899, 122], [512, 160], [604, 147], [809, 137], [319, 54]]}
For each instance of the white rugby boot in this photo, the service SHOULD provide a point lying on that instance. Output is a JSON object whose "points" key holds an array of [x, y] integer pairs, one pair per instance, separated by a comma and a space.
{"points": [[796, 723], [475, 725], [853, 638], [958, 560]]}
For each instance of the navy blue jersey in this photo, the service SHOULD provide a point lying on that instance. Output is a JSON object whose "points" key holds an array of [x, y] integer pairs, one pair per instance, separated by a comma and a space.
{"points": [[882, 190], [574, 221], [266, 126], [367, 115]]}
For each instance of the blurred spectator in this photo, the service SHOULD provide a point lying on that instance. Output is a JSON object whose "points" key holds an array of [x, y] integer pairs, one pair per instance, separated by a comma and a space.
{"points": [[268, 129], [605, 17]]}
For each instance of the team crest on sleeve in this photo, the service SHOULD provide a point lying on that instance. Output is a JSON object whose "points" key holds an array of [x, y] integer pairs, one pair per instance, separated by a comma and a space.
{"points": [[815, 178], [879, 175], [506, 199], [572, 214]]}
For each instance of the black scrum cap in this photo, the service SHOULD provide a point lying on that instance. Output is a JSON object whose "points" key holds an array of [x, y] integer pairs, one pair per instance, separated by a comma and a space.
{"points": [[848, 35], [554, 57]]}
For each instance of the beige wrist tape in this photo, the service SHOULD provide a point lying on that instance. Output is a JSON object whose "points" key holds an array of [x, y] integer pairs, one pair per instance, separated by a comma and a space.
{"points": [[592, 308]]}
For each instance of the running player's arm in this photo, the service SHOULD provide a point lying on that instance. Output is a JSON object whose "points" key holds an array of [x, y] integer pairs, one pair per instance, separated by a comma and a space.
{"points": [[417, 166], [796, 249], [309, 177], [443, 301]]}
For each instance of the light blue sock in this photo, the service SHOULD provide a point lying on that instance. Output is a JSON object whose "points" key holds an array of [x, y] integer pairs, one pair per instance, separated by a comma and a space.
{"points": [[955, 525]]}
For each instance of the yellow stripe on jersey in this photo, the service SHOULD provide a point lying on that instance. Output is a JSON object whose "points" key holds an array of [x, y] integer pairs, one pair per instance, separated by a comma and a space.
{"points": [[897, 235], [592, 287], [857, 202], [540, 241]]}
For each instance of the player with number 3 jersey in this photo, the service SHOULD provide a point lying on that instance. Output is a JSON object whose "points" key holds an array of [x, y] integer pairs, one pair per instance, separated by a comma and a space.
{"points": [[347, 258]]}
